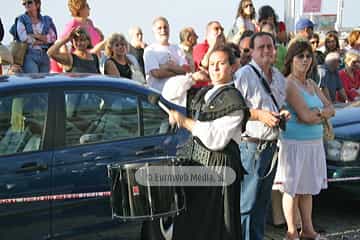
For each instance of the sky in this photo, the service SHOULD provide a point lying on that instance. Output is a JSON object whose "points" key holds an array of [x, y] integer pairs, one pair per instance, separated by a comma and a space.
{"points": [[119, 15]]}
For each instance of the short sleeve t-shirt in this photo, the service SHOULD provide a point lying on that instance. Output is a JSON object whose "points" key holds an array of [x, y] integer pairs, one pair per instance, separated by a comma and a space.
{"points": [[155, 55]]}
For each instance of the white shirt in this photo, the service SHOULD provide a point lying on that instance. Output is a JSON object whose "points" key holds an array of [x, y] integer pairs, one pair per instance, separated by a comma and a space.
{"points": [[256, 97], [156, 54], [175, 89], [215, 134]]}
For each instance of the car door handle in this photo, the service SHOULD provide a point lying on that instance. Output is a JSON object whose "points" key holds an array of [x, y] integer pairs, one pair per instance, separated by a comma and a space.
{"points": [[149, 150], [100, 155], [32, 167]]}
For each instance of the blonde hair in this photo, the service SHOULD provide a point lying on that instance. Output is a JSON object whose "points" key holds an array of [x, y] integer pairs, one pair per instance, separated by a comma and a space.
{"points": [[114, 38], [75, 6], [350, 56]]}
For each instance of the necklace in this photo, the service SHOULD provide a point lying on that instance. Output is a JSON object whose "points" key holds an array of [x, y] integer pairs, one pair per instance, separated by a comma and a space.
{"points": [[298, 79]]}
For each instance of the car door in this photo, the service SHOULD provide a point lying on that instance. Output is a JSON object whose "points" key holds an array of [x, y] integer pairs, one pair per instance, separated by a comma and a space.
{"points": [[25, 172], [99, 127]]}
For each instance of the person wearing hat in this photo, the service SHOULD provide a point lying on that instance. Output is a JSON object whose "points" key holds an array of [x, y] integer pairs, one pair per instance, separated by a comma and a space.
{"points": [[304, 28], [330, 81]]}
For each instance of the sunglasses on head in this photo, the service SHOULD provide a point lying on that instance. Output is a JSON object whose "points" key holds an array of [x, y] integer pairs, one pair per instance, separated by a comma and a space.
{"points": [[27, 3], [302, 56]]}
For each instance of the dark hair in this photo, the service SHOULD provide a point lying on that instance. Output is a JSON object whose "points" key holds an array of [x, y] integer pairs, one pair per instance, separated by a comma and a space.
{"points": [[81, 32], [329, 35], [296, 47], [260, 34], [234, 48], [246, 33], [240, 11], [228, 51], [265, 12], [315, 35]]}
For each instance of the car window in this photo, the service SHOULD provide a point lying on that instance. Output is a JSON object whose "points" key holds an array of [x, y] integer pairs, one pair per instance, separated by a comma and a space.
{"points": [[22, 122], [155, 121], [98, 116]]}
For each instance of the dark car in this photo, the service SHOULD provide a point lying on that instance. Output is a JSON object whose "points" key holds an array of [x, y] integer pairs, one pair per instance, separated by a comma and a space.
{"points": [[58, 133], [343, 158]]}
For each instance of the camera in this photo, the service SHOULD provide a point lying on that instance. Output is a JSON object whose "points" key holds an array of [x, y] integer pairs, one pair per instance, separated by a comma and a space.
{"points": [[282, 122]]}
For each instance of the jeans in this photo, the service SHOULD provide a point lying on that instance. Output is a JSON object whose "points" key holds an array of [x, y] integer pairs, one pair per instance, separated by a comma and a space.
{"points": [[36, 61], [255, 190]]}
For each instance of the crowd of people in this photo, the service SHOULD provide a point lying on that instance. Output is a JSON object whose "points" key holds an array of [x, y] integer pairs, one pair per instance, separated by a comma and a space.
{"points": [[256, 98]]}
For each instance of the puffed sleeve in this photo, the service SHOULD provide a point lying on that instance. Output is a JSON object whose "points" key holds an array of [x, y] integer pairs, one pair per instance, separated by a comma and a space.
{"points": [[175, 89], [216, 134]]}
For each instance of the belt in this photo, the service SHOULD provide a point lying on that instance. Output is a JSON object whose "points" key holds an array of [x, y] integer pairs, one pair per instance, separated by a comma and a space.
{"points": [[255, 140]]}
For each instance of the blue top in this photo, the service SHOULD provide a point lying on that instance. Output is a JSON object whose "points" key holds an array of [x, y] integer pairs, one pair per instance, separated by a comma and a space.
{"points": [[301, 131]]}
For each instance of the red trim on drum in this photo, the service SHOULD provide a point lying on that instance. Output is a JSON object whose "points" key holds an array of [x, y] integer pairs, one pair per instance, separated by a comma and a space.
{"points": [[55, 197]]}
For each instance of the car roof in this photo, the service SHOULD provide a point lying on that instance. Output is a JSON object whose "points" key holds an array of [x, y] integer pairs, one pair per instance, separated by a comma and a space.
{"points": [[47, 80]]}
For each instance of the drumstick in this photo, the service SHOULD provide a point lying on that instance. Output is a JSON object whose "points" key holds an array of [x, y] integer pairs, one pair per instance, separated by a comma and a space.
{"points": [[155, 99]]}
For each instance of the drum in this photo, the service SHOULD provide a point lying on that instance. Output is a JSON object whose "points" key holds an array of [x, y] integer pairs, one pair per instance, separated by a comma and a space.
{"points": [[131, 200]]}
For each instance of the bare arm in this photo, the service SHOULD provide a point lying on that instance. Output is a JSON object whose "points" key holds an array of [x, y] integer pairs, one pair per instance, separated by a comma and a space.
{"points": [[326, 93], [343, 95], [162, 73], [267, 117], [111, 69], [182, 121], [328, 109], [296, 101], [98, 48], [64, 58]]}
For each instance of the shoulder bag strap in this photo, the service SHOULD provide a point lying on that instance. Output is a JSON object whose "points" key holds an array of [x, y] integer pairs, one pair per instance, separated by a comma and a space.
{"points": [[265, 85]]}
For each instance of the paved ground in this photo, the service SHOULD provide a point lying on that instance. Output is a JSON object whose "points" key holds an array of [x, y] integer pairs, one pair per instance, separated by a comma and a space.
{"points": [[337, 217]]}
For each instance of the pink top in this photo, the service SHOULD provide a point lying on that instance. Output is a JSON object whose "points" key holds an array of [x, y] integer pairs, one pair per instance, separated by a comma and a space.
{"points": [[89, 27], [350, 84]]}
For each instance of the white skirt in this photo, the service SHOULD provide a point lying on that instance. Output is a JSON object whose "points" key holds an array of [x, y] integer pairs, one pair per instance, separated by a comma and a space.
{"points": [[301, 167]]}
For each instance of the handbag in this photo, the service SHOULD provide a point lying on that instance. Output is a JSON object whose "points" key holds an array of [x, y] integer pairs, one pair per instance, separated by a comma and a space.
{"points": [[328, 131], [6, 57], [17, 48]]}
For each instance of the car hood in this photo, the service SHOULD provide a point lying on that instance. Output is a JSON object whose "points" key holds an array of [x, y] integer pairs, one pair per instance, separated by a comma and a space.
{"points": [[346, 123]]}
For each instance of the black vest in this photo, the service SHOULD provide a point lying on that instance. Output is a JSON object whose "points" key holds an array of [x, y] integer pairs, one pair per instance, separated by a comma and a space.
{"points": [[223, 101]]}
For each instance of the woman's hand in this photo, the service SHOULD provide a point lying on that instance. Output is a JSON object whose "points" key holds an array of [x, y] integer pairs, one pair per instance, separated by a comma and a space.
{"points": [[70, 36], [327, 112], [180, 120], [40, 37], [176, 118]]}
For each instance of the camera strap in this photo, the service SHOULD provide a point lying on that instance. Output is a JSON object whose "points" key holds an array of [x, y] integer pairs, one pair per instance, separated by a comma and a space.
{"points": [[266, 86]]}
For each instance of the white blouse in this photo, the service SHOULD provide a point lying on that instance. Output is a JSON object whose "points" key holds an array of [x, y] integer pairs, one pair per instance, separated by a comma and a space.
{"points": [[215, 134]]}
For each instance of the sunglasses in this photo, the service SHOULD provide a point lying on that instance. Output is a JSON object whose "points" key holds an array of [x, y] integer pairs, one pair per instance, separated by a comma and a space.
{"points": [[302, 56], [314, 42], [245, 50], [248, 5], [27, 3]]}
